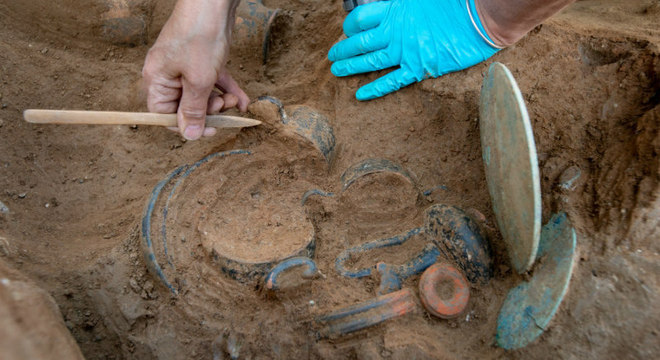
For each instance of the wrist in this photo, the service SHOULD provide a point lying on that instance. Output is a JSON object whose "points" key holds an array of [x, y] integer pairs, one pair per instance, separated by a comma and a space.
{"points": [[210, 19], [478, 25], [507, 21], [501, 34]]}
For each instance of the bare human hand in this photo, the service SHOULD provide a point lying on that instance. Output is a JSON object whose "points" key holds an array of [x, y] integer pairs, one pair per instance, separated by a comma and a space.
{"points": [[188, 61]]}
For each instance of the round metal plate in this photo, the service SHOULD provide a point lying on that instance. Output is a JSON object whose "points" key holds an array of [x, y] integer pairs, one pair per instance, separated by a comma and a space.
{"points": [[511, 165], [530, 306]]}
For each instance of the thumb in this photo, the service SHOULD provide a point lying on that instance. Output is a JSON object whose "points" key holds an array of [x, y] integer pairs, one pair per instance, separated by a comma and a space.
{"points": [[191, 115]]}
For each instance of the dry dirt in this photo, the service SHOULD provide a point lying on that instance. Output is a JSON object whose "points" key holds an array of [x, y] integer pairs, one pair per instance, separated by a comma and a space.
{"points": [[76, 195]]}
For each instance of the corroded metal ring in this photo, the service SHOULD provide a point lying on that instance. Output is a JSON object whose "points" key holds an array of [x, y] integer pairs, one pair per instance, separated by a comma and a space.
{"points": [[429, 292]]}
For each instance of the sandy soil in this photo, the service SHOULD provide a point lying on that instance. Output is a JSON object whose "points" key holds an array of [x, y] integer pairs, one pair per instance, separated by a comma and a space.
{"points": [[76, 195]]}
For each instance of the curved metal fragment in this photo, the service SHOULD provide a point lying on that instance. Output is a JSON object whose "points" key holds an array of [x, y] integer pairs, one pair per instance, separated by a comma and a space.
{"points": [[529, 307]]}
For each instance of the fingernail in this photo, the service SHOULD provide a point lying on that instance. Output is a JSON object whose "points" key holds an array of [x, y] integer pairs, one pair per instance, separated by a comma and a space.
{"points": [[192, 132]]}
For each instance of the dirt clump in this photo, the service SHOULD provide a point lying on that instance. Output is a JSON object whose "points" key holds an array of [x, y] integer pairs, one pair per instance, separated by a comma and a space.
{"points": [[31, 325]]}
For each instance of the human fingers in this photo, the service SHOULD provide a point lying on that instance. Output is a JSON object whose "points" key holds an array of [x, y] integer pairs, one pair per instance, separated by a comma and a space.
{"points": [[191, 114], [386, 84], [208, 131], [230, 100], [365, 17], [361, 43], [229, 86], [215, 104], [220, 102], [163, 89], [372, 61], [164, 100]]}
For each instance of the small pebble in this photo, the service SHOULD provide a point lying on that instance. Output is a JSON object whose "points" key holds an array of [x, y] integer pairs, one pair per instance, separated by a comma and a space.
{"points": [[148, 286], [22, 195], [3, 208], [217, 348], [234, 343], [568, 179], [134, 285]]}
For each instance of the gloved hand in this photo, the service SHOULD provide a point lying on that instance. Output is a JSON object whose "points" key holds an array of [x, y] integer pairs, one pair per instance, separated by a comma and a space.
{"points": [[426, 38]]}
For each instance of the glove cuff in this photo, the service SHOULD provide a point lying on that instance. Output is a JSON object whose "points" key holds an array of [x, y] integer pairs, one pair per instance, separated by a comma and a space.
{"points": [[478, 26]]}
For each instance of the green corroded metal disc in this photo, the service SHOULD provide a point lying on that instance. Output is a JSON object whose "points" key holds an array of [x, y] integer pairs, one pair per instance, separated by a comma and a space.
{"points": [[530, 306], [511, 164]]}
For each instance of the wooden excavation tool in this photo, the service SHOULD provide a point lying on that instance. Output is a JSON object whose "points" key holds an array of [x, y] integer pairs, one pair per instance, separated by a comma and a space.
{"points": [[127, 118]]}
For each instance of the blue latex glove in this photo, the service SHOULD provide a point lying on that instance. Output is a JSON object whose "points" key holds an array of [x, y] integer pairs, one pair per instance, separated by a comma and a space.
{"points": [[425, 38]]}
